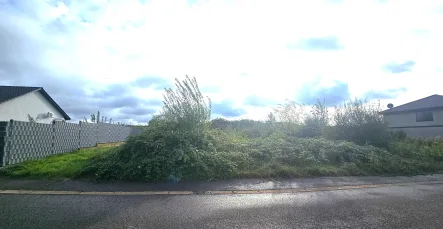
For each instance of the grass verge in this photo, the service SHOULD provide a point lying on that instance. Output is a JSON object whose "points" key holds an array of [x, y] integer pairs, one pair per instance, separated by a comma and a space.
{"points": [[67, 165]]}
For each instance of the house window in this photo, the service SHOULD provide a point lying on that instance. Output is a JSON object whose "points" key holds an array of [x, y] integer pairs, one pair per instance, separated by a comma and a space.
{"points": [[425, 116]]}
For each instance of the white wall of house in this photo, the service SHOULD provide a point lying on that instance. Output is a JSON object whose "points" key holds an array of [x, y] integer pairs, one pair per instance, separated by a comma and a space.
{"points": [[422, 132], [409, 119], [32, 103]]}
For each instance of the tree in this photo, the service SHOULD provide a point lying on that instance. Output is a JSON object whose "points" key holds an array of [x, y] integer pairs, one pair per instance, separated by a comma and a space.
{"points": [[98, 117]]}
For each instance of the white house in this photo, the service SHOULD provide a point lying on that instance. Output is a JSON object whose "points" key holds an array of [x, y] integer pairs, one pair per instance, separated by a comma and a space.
{"points": [[20, 103], [420, 118]]}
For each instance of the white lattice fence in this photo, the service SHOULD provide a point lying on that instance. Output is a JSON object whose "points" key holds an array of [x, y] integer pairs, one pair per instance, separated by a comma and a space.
{"points": [[22, 141]]}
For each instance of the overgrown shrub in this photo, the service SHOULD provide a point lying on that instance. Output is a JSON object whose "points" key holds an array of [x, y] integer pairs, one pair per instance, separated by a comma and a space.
{"points": [[251, 128], [175, 144], [316, 122], [182, 144], [186, 105], [289, 117], [360, 122]]}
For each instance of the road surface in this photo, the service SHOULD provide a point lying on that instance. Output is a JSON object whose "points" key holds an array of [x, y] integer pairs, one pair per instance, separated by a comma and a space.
{"points": [[417, 205]]}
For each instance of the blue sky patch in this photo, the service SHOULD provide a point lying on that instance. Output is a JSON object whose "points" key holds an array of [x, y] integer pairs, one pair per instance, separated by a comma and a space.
{"points": [[311, 92], [386, 94], [226, 109], [257, 101], [396, 68], [329, 43], [156, 82]]}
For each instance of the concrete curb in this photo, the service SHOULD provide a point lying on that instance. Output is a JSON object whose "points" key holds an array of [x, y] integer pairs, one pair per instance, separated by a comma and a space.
{"points": [[222, 192]]}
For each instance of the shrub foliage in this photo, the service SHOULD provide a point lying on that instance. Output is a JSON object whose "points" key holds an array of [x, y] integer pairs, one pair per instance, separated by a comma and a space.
{"points": [[183, 144]]}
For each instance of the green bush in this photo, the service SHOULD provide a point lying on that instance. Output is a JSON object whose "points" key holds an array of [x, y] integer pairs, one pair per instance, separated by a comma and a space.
{"points": [[182, 144], [228, 155], [186, 106], [309, 151], [316, 122], [251, 128], [360, 122], [176, 145], [420, 149]]}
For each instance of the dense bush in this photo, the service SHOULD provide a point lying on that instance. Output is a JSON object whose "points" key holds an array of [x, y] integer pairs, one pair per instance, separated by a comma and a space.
{"points": [[360, 122], [316, 122], [183, 144], [355, 120], [175, 144], [186, 105], [251, 128], [225, 155], [341, 157]]}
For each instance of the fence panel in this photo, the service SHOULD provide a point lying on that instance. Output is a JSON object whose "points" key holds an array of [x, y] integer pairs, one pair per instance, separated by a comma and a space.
{"points": [[88, 134], [66, 137], [21, 141], [3, 136], [119, 133], [103, 132], [28, 141]]}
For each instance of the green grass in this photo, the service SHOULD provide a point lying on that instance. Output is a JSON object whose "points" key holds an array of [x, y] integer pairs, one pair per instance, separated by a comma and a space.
{"points": [[67, 165]]}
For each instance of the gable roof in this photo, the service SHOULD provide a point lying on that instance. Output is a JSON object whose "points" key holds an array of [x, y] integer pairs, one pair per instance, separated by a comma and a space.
{"points": [[431, 102], [10, 92]]}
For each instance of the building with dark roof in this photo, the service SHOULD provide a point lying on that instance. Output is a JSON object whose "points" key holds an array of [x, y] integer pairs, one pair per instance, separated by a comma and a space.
{"points": [[419, 118], [20, 103]]}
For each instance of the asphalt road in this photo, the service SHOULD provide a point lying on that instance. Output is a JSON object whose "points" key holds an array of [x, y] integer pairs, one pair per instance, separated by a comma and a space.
{"points": [[411, 206]]}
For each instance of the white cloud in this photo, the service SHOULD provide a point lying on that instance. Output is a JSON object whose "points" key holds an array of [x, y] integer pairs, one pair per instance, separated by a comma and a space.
{"points": [[239, 46]]}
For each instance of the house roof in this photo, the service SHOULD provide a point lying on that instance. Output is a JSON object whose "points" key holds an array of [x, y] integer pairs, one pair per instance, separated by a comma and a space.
{"points": [[11, 92], [431, 102]]}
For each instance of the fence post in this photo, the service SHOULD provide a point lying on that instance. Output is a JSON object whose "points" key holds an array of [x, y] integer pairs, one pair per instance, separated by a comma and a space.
{"points": [[53, 138], [110, 131], [7, 148], [96, 134], [79, 134], [8, 142]]}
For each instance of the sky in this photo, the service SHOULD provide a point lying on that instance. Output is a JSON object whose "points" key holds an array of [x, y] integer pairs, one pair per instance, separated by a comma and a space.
{"points": [[248, 56]]}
